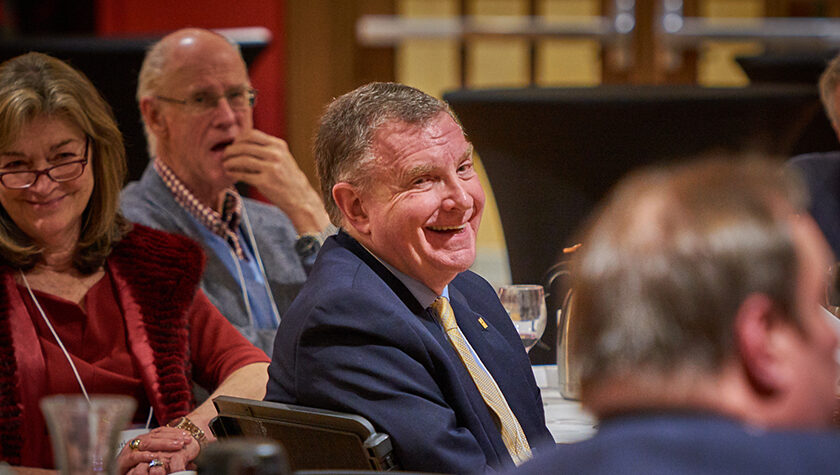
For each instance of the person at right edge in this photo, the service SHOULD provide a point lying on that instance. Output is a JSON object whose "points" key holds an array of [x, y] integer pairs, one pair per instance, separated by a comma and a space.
{"points": [[821, 170], [390, 324], [702, 343]]}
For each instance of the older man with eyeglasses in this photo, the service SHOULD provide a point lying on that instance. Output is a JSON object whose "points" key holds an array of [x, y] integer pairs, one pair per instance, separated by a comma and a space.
{"points": [[196, 101]]}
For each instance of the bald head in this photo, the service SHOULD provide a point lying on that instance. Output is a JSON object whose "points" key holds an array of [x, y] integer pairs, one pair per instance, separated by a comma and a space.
{"points": [[176, 50]]}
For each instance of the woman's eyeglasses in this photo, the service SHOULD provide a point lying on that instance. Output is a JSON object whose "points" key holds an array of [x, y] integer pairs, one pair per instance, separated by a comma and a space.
{"points": [[67, 170]]}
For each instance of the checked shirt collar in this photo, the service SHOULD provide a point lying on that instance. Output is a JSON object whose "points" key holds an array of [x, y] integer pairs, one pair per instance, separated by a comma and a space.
{"points": [[222, 224]]}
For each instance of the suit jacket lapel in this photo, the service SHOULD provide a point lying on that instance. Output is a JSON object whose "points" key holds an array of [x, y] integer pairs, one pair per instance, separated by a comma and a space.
{"points": [[481, 339], [468, 322]]}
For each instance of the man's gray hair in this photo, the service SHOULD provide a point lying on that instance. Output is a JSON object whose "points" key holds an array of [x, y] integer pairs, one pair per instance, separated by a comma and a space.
{"points": [[151, 75], [829, 80], [668, 260], [345, 136]]}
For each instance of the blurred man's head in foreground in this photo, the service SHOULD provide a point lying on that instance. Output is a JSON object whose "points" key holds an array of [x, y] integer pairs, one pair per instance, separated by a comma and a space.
{"points": [[699, 286]]}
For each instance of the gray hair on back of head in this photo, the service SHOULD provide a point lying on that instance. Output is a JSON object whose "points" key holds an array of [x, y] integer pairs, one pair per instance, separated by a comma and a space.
{"points": [[669, 258]]}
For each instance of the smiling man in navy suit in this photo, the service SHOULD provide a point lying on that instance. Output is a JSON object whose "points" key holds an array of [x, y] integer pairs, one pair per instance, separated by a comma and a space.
{"points": [[372, 330], [702, 343]]}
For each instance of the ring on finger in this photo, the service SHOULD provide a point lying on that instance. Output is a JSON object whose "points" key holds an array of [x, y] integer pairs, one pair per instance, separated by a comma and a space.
{"points": [[134, 444], [155, 463]]}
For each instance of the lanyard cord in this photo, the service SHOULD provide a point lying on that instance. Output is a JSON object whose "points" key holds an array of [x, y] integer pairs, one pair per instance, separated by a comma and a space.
{"points": [[55, 335], [242, 287], [274, 311], [149, 419]]}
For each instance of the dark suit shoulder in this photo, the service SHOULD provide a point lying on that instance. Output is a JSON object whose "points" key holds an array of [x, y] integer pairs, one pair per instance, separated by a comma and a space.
{"points": [[821, 173], [470, 280], [816, 159], [690, 444], [817, 168], [343, 290], [346, 304]]}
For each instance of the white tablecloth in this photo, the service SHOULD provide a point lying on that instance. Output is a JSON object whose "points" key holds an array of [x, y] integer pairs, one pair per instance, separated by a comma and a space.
{"points": [[566, 419]]}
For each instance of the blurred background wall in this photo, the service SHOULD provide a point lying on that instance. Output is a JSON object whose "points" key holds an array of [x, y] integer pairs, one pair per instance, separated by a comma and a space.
{"points": [[314, 54]]}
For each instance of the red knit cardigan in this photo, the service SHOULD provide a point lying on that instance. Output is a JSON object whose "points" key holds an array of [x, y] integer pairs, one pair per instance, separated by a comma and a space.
{"points": [[159, 273]]}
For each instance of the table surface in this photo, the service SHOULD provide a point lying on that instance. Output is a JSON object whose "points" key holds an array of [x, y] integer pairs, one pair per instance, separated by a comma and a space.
{"points": [[566, 419]]}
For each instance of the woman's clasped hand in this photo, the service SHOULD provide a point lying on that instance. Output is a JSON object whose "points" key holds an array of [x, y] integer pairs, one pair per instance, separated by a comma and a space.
{"points": [[162, 450]]}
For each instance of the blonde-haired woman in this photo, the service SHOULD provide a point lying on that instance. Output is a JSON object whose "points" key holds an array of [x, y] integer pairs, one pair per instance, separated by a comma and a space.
{"points": [[88, 302]]}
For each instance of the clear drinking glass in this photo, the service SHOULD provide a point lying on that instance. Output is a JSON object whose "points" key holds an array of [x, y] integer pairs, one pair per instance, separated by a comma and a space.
{"points": [[526, 306], [85, 434]]}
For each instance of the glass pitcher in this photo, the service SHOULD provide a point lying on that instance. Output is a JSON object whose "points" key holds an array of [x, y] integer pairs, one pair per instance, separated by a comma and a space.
{"points": [[567, 372]]}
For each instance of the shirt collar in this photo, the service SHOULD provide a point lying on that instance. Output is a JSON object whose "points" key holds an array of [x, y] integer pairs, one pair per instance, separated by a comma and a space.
{"points": [[223, 224], [424, 295]]}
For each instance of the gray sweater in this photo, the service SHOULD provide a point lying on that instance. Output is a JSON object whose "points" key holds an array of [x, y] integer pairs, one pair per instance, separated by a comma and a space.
{"points": [[150, 202]]}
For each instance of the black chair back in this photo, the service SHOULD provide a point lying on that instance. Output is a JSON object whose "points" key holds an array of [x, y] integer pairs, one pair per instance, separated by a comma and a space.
{"points": [[314, 439]]}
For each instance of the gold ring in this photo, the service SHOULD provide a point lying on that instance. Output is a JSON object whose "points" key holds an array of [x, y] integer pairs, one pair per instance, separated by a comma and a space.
{"points": [[134, 444], [155, 463]]}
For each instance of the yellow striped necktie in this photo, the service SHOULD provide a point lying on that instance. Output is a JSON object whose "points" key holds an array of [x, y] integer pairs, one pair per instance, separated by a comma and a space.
{"points": [[512, 434]]}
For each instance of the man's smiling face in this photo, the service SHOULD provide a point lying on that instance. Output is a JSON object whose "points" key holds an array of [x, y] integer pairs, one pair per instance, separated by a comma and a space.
{"points": [[425, 201]]}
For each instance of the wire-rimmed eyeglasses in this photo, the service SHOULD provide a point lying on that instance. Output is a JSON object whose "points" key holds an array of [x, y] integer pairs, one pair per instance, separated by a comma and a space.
{"points": [[237, 99], [69, 169]]}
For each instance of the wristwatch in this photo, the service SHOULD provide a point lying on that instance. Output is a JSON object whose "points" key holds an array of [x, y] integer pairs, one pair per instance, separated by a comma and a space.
{"points": [[184, 423], [308, 244]]}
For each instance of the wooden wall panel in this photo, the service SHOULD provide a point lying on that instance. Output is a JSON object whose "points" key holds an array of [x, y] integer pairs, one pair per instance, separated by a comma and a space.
{"points": [[324, 61]]}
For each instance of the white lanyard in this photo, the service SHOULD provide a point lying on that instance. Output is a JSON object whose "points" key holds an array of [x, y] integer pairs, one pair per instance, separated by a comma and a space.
{"points": [[275, 313], [64, 350], [55, 335]]}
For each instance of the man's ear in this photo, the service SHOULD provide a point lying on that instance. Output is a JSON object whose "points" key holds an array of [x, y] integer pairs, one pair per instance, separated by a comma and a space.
{"points": [[350, 201], [761, 338], [152, 116]]}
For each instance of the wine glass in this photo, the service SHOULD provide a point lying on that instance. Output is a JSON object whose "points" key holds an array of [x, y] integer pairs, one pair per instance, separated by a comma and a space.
{"points": [[526, 306]]}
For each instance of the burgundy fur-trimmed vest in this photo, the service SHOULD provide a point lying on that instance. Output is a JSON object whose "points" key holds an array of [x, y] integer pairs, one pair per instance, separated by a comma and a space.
{"points": [[161, 272]]}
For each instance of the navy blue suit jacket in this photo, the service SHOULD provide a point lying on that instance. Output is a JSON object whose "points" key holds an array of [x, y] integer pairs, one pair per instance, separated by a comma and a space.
{"points": [[356, 340], [821, 172], [690, 443]]}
